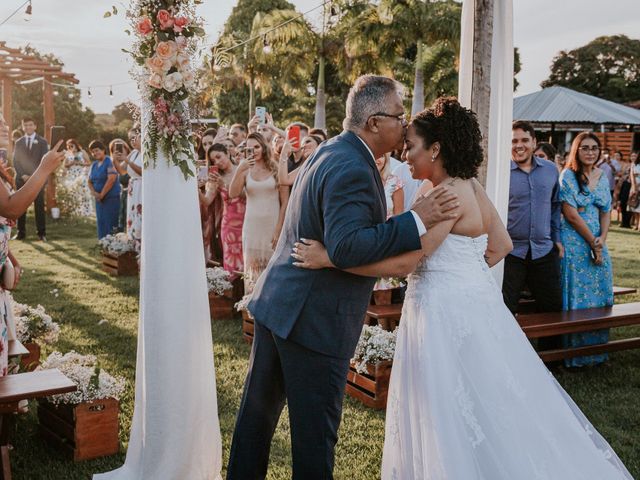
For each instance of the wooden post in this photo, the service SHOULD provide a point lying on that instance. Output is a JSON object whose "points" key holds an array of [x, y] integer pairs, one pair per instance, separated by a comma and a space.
{"points": [[481, 90], [49, 121], [7, 88]]}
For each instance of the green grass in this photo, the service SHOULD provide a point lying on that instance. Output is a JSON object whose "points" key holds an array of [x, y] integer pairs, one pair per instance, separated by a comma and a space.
{"points": [[607, 394]]}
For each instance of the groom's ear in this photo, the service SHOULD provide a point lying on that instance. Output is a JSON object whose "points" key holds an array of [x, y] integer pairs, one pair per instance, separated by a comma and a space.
{"points": [[372, 124]]}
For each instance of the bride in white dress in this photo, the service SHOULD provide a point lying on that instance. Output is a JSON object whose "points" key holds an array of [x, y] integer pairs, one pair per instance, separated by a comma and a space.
{"points": [[469, 398]]}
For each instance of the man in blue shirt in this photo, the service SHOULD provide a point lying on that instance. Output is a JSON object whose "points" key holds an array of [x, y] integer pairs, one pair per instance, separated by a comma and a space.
{"points": [[533, 225]]}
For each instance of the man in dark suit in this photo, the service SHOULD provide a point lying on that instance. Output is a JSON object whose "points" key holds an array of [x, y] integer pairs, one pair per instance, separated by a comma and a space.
{"points": [[27, 155], [307, 322]]}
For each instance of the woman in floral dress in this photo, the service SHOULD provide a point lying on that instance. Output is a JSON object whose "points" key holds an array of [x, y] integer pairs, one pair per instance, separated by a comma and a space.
{"points": [[77, 163], [221, 171], [587, 278]]}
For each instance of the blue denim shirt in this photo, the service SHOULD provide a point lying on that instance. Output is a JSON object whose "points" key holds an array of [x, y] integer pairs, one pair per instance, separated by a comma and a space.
{"points": [[534, 209]]}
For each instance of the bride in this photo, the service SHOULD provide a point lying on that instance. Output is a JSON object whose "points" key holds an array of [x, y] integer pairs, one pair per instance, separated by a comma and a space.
{"points": [[469, 398]]}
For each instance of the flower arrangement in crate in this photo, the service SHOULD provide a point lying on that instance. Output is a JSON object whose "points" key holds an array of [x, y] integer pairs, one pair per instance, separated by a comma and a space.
{"points": [[220, 293], [33, 327], [83, 424], [218, 280], [374, 346], [117, 244]]}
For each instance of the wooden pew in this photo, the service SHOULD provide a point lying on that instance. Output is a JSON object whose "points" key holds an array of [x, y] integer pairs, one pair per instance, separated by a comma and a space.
{"points": [[527, 305], [24, 386], [387, 316], [538, 325]]}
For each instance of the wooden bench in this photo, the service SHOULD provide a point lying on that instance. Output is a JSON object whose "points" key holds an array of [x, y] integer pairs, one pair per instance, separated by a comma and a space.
{"points": [[387, 316], [527, 305], [24, 386], [538, 325]]}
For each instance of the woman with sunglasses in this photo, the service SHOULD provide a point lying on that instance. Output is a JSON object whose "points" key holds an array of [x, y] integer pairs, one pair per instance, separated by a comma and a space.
{"points": [[587, 278]]}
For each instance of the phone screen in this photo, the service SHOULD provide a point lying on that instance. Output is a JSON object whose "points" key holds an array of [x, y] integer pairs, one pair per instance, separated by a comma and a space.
{"points": [[293, 135], [57, 134], [262, 113]]}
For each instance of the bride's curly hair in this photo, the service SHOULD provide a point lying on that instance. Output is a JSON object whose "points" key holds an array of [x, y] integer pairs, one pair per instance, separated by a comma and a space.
{"points": [[457, 130]]}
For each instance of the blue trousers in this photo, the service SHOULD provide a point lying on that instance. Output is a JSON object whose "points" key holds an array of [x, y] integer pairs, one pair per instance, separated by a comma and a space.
{"points": [[107, 215]]}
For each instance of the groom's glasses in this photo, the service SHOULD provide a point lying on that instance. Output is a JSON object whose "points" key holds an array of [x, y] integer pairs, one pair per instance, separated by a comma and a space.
{"points": [[402, 117]]}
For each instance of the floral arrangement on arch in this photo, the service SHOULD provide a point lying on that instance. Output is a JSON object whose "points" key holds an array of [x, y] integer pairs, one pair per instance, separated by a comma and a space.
{"points": [[218, 280], [117, 244], [374, 346], [92, 382], [167, 34], [34, 324]]}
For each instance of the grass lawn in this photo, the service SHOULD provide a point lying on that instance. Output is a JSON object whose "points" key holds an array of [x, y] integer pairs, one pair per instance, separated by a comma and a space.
{"points": [[608, 394]]}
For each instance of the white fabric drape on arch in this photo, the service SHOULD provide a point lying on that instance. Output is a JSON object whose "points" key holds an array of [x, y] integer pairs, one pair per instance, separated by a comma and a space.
{"points": [[175, 433], [501, 109]]}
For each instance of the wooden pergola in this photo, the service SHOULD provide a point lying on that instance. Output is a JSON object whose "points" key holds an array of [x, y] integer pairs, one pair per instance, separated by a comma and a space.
{"points": [[16, 66]]}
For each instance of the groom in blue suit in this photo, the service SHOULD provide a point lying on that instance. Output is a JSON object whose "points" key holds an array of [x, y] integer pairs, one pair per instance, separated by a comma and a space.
{"points": [[307, 322]]}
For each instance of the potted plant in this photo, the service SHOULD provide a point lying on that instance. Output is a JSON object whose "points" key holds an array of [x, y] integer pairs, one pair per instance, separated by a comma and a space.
{"points": [[119, 254], [220, 293], [34, 325], [84, 423], [247, 318], [370, 369]]}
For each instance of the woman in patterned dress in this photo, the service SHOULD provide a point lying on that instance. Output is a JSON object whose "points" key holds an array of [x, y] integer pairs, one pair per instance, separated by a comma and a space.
{"points": [[221, 171], [134, 193], [587, 278], [77, 163]]}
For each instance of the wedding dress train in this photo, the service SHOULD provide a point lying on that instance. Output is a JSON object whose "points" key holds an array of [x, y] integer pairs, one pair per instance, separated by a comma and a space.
{"points": [[469, 398]]}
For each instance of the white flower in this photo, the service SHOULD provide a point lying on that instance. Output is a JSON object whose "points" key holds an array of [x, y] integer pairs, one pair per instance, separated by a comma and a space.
{"points": [[218, 280], [374, 346], [117, 244], [182, 61], [172, 82], [188, 79], [34, 324]]}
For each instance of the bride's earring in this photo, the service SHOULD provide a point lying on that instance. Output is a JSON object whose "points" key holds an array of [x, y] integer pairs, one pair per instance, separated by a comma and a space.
{"points": [[433, 158]]}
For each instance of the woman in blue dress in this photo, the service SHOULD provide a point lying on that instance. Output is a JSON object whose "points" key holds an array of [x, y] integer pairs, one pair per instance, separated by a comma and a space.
{"points": [[587, 278], [105, 188]]}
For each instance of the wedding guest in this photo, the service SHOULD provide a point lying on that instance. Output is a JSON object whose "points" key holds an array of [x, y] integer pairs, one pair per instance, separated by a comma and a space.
{"points": [[266, 200], [560, 162], [221, 173], [534, 228], [238, 133], [634, 197], [545, 150], [295, 157], [77, 163], [309, 145], [134, 193], [587, 277], [319, 132], [605, 165], [622, 191], [104, 186], [27, 154], [204, 144], [119, 151], [231, 150]]}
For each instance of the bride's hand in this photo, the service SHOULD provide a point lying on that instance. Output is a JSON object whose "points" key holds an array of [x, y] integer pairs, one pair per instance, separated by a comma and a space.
{"points": [[311, 254]]}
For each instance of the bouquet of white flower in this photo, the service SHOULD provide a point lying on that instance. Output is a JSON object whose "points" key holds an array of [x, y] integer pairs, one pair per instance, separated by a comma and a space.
{"points": [[93, 383], [375, 345], [117, 244], [34, 324], [218, 280]]}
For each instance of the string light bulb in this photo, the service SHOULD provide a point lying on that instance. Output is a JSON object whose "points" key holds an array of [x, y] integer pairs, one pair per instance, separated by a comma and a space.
{"points": [[89, 92], [28, 12], [110, 92], [266, 48]]}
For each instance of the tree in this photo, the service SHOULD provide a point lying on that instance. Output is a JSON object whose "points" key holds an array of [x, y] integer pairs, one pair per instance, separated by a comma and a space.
{"points": [[607, 67]]}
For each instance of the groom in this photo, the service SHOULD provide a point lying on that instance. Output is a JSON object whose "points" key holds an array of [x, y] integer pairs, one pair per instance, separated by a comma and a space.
{"points": [[307, 322]]}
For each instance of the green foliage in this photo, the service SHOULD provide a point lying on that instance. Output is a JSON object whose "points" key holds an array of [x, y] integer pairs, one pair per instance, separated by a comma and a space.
{"points": [[607, 67]]}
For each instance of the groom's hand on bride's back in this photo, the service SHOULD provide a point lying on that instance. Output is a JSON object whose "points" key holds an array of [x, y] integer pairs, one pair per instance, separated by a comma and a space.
{"points": [[438, 205]]}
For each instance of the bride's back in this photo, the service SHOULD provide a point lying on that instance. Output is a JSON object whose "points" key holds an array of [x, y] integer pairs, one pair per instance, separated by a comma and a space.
{"points": [[475, 208]]}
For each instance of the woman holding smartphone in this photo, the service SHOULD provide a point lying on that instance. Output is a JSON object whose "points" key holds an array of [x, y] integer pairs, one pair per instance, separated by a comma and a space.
{"points": [[220, 175], [266, 201]]}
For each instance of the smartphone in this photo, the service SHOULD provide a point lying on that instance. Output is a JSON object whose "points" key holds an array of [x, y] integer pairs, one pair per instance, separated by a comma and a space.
{"points": [[293, 135], [213, 169], [262, 113], [57, 134], [118, 148]]}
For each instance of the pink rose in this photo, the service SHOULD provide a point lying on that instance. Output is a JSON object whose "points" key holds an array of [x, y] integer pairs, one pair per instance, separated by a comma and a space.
{"points": [[165, 19], [144, 26], [179, 23], [167, 50], [155, 80], [158, 65]]}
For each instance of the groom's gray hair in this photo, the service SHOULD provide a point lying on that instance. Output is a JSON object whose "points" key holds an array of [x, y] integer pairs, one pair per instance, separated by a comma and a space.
{"points": [[368, 96]]}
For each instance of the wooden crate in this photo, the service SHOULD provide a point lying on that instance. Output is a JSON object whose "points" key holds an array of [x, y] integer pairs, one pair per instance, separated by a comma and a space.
{"points": [[372, 387], [221, 307], [122, 265], [247, 327], [28, 363], [82, 432]]}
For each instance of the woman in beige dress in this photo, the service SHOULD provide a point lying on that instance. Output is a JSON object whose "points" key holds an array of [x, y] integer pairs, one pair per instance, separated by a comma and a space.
{"points": [[266, 202]]}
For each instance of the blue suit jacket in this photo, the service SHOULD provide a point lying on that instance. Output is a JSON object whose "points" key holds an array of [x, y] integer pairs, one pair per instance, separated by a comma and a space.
{"points": [[338, 199]]}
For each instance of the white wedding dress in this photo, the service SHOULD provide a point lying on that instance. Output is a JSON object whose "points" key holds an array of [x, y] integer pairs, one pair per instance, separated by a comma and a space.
{"points": [[469, 398]]}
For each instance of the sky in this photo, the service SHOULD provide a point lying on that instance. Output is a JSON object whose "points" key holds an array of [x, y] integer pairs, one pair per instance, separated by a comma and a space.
{"points": [[90, 45]]}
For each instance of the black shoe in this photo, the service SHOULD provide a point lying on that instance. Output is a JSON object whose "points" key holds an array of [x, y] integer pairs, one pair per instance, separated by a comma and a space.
{"points": [[42, 238], [19, 236]]}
